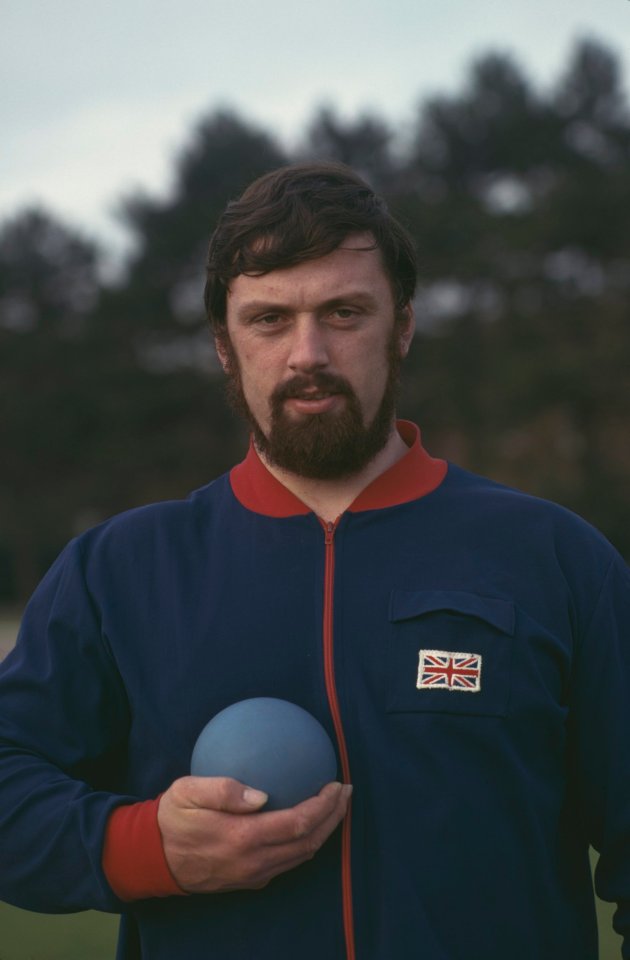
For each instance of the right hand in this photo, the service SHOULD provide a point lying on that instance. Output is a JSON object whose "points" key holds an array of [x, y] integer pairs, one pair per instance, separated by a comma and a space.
{"points": [[213, 842]]}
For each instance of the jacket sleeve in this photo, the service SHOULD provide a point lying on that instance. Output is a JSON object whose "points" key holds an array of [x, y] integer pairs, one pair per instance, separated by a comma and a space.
{"points": [[600, 714], [64, 720]]}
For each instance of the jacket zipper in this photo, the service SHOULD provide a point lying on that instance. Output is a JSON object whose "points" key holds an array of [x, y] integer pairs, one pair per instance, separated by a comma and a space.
{"points": [[331, 691]]}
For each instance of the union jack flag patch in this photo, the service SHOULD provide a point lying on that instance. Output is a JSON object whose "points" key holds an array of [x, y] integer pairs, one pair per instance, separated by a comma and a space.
{"points": [[444, 670]]}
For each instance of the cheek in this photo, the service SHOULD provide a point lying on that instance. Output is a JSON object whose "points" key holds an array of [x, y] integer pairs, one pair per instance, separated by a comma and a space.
{"points": [[257, 382], [373, 370]]}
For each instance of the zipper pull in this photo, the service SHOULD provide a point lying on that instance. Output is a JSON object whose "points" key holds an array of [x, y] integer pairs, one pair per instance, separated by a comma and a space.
{"points": [[329, 533]]}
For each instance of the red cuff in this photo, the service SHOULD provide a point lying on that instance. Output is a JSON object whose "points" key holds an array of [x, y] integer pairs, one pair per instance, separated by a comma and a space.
{"points": [[133, 854]]}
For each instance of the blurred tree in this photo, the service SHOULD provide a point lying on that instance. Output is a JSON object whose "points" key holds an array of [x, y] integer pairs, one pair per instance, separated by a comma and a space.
{"points": [[518, 206], [48, 415], [364, 144]]}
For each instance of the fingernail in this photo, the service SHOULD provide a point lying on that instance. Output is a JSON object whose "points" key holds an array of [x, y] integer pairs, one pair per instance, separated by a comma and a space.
{"points": [[255, 798], [347, 789]]}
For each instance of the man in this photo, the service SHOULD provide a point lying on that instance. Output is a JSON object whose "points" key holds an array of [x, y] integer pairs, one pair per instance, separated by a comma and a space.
{"points": [[465, 645]]}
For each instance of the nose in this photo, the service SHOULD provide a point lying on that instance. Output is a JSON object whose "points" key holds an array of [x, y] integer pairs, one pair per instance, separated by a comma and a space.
{"points": [[308, 350]]}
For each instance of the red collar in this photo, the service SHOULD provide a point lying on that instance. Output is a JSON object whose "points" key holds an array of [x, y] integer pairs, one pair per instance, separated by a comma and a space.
{"points": [[411, 477]]}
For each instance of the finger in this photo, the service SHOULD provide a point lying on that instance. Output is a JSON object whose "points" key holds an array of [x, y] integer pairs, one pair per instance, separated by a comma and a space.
{"points": [[318, 815], [304, 845], [329, 805], [222, 794], [315, 832]]}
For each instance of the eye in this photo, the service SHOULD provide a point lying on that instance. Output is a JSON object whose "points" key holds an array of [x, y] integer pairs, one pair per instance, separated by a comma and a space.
{"points": [[344, 315], [268, 320]]}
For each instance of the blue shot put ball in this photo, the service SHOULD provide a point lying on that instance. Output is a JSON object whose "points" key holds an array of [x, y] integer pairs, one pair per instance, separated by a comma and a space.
{"points": [[269, 744]]}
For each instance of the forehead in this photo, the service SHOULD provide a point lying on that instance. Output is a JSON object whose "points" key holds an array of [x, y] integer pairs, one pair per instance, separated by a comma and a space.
{"points": [[356, 265]]}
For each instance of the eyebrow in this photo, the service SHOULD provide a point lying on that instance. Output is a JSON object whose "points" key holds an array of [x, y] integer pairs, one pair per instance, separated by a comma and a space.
{"points": [[255, 307]]}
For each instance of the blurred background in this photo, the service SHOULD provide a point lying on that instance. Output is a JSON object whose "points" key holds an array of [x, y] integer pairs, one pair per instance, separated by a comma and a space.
{"points": [[500, 135]]}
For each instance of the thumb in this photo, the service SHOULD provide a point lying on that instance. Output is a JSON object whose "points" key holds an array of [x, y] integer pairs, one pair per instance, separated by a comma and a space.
{"points": [[225, 794]]}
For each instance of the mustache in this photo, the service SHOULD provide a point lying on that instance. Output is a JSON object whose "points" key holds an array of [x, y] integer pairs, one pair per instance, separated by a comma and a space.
{"points": [[302, 384]]}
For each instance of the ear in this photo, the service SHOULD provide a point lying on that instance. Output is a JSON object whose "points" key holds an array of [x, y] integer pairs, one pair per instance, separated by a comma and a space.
{"points": [[222, 351], [406, 328]]}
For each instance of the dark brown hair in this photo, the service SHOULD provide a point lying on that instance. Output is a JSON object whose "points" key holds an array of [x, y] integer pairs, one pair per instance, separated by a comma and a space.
{"points": [[297, 213]]}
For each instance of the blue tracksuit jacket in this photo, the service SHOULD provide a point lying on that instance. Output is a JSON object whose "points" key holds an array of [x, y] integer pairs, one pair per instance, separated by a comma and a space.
{"points": [[466, 646]]}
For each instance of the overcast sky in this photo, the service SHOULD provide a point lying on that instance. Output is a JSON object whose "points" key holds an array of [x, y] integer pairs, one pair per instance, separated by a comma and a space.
{"points": [[98, 96]]}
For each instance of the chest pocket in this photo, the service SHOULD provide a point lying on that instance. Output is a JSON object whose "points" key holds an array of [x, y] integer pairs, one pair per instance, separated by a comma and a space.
{"points": [[450, 652]]}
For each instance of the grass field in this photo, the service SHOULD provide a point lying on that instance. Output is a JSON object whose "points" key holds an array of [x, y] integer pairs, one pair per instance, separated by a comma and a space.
{"points": [[36, 936], [8, 631], [92, 936]]}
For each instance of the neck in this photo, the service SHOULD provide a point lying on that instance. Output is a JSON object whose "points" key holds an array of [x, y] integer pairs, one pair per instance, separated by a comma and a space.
{"points": [[329, 498]]}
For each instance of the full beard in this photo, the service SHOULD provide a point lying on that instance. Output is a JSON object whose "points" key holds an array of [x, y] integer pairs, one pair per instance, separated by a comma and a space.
{"points": [[320, 446]]}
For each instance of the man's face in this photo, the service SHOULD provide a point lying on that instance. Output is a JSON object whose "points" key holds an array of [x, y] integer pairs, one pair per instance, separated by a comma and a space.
{"points": [[312, 352]]}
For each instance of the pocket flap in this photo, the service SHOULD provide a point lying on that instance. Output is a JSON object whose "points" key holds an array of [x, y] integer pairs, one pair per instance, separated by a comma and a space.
{"points": [[407, 604]]}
